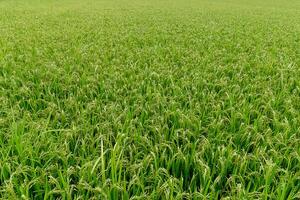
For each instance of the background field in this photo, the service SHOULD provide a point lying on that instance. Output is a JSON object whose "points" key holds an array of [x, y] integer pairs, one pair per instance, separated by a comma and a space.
{"points": [[149, 99]]}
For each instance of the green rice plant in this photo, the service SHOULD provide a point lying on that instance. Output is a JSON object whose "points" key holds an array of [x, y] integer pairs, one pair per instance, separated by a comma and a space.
{"points": [[149, 99]]}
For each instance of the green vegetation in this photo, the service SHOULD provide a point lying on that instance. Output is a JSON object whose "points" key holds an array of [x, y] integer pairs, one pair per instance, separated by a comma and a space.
{"points": [[138, 99]]}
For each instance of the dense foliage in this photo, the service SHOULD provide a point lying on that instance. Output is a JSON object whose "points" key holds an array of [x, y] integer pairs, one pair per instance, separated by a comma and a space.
{"points": [[137, 99]]}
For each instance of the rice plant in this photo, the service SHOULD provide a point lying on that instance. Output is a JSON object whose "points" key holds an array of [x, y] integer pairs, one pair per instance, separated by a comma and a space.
{"points": [[137, 99]]}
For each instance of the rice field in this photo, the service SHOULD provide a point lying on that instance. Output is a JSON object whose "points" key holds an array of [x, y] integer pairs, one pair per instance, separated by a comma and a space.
{"points": [[140, 99]]}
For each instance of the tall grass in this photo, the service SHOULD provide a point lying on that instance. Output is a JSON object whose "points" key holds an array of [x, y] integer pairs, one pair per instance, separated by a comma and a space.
{"points": [[149, 99]]}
